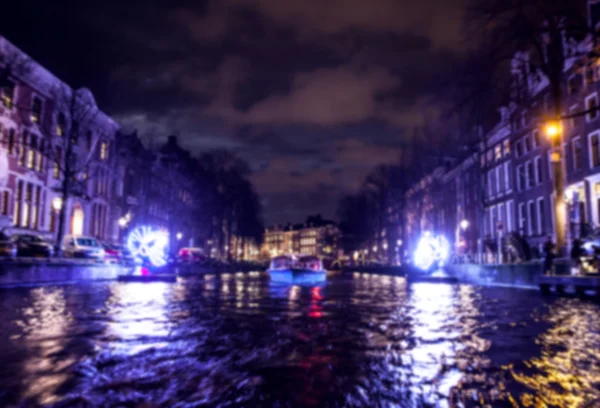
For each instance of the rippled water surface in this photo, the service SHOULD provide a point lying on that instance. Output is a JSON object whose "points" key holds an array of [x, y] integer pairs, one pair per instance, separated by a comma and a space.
{"points": [[240, 340]]}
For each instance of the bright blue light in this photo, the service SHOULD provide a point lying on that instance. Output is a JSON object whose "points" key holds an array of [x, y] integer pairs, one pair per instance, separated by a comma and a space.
{"points": [[147, 243], [431, 250]]}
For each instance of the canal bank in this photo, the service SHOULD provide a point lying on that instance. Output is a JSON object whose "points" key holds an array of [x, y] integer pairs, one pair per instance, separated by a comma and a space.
{"points": [[56, 272], [517, 275]]}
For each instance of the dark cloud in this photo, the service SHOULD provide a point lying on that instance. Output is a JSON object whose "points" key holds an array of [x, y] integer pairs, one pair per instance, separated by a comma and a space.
{"points": [[312, 93]]}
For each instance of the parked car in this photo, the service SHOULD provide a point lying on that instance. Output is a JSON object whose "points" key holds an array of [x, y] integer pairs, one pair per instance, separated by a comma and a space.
{"points": [[191, 255], [111, 253], [114, 253], [82, 247], [32, 245], [8, 249]]}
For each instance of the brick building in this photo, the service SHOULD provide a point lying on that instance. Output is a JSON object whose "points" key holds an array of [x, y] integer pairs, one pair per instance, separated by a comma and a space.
{"points": [[34, 122], [316, 237], [510, 189]]}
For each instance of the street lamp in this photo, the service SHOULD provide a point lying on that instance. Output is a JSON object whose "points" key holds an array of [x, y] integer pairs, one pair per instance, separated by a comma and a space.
{"points": [[554, 132], [122, 222], [464, 224], [57, 204], [399, 243], [179, 236]]}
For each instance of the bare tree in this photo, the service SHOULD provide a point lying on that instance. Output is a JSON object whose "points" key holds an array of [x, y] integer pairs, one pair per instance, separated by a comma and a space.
{"points": [[62, 141], [548, 37]]}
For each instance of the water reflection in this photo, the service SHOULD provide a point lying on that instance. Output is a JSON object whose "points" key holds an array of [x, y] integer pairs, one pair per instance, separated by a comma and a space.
{"points": [[240, 340], [567, 371], [435, 335], [138, 316], [45, 323]]}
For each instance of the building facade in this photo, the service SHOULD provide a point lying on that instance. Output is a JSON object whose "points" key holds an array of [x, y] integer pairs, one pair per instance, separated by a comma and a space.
{"points": [[41, 119], [505, 190], [315, 237]]}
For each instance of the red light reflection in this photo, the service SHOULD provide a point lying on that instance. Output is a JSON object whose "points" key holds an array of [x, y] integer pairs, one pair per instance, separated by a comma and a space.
{"points": [[315, 311]]}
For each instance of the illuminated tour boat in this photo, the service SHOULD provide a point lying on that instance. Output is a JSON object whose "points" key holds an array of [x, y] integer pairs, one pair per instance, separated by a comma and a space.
{"points": [[301, 269]]}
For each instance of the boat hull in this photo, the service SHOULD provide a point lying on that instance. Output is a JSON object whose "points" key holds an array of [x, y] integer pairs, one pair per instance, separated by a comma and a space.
{"points": [[297, 275], [147, 278]]}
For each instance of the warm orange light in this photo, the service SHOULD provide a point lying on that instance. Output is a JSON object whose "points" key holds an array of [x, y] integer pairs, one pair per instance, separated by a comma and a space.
{"points": [[553, 130]]}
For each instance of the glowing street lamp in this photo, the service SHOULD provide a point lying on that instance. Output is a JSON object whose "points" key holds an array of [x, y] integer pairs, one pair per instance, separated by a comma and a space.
{"points": [[179, 236], [399, 243], [57, 204], [553, 130], [464, 224], [122, 222]]}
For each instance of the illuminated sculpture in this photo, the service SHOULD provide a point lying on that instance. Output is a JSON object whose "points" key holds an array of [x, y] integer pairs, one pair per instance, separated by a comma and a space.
{"points": [[430, 251], [149, 244]]}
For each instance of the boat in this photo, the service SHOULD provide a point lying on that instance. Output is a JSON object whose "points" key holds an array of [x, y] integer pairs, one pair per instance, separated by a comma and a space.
{"points": [[147, 278], [292, 269]]}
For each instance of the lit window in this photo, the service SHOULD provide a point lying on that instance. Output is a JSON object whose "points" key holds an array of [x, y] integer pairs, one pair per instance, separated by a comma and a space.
{"points": [[17, 206], [30, 159], [103, 150], [61, 124], [506, 145], [36, 110], [498, 152], [23, 150], [27, 206]]}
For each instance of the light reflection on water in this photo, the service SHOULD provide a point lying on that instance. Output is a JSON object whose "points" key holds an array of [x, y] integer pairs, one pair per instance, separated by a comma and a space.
{"points": [[138, 316], [238, 339]]}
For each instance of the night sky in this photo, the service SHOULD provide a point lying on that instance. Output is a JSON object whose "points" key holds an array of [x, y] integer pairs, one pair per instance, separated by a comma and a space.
{"points": [[312, 93]]}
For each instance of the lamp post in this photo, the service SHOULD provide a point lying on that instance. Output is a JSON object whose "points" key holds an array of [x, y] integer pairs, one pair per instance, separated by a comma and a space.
{"points": [[462, 225], [57, 204], [554, 132]]}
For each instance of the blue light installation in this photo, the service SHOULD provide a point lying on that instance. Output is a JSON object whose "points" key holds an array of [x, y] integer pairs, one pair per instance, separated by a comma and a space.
{"points": [[431, 250], [148, 244]]}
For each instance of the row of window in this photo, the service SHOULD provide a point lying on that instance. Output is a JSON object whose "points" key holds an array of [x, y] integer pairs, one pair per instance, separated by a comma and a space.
{"points": [[308, 241], [29, 141], [498, 182], [530, 174], [589, 75], [531, 218], [496, 153], [27, 205], [99, 219]]}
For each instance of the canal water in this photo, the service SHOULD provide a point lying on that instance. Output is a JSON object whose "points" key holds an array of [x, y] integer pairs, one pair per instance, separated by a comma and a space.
{"points": [[239, 340]]}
